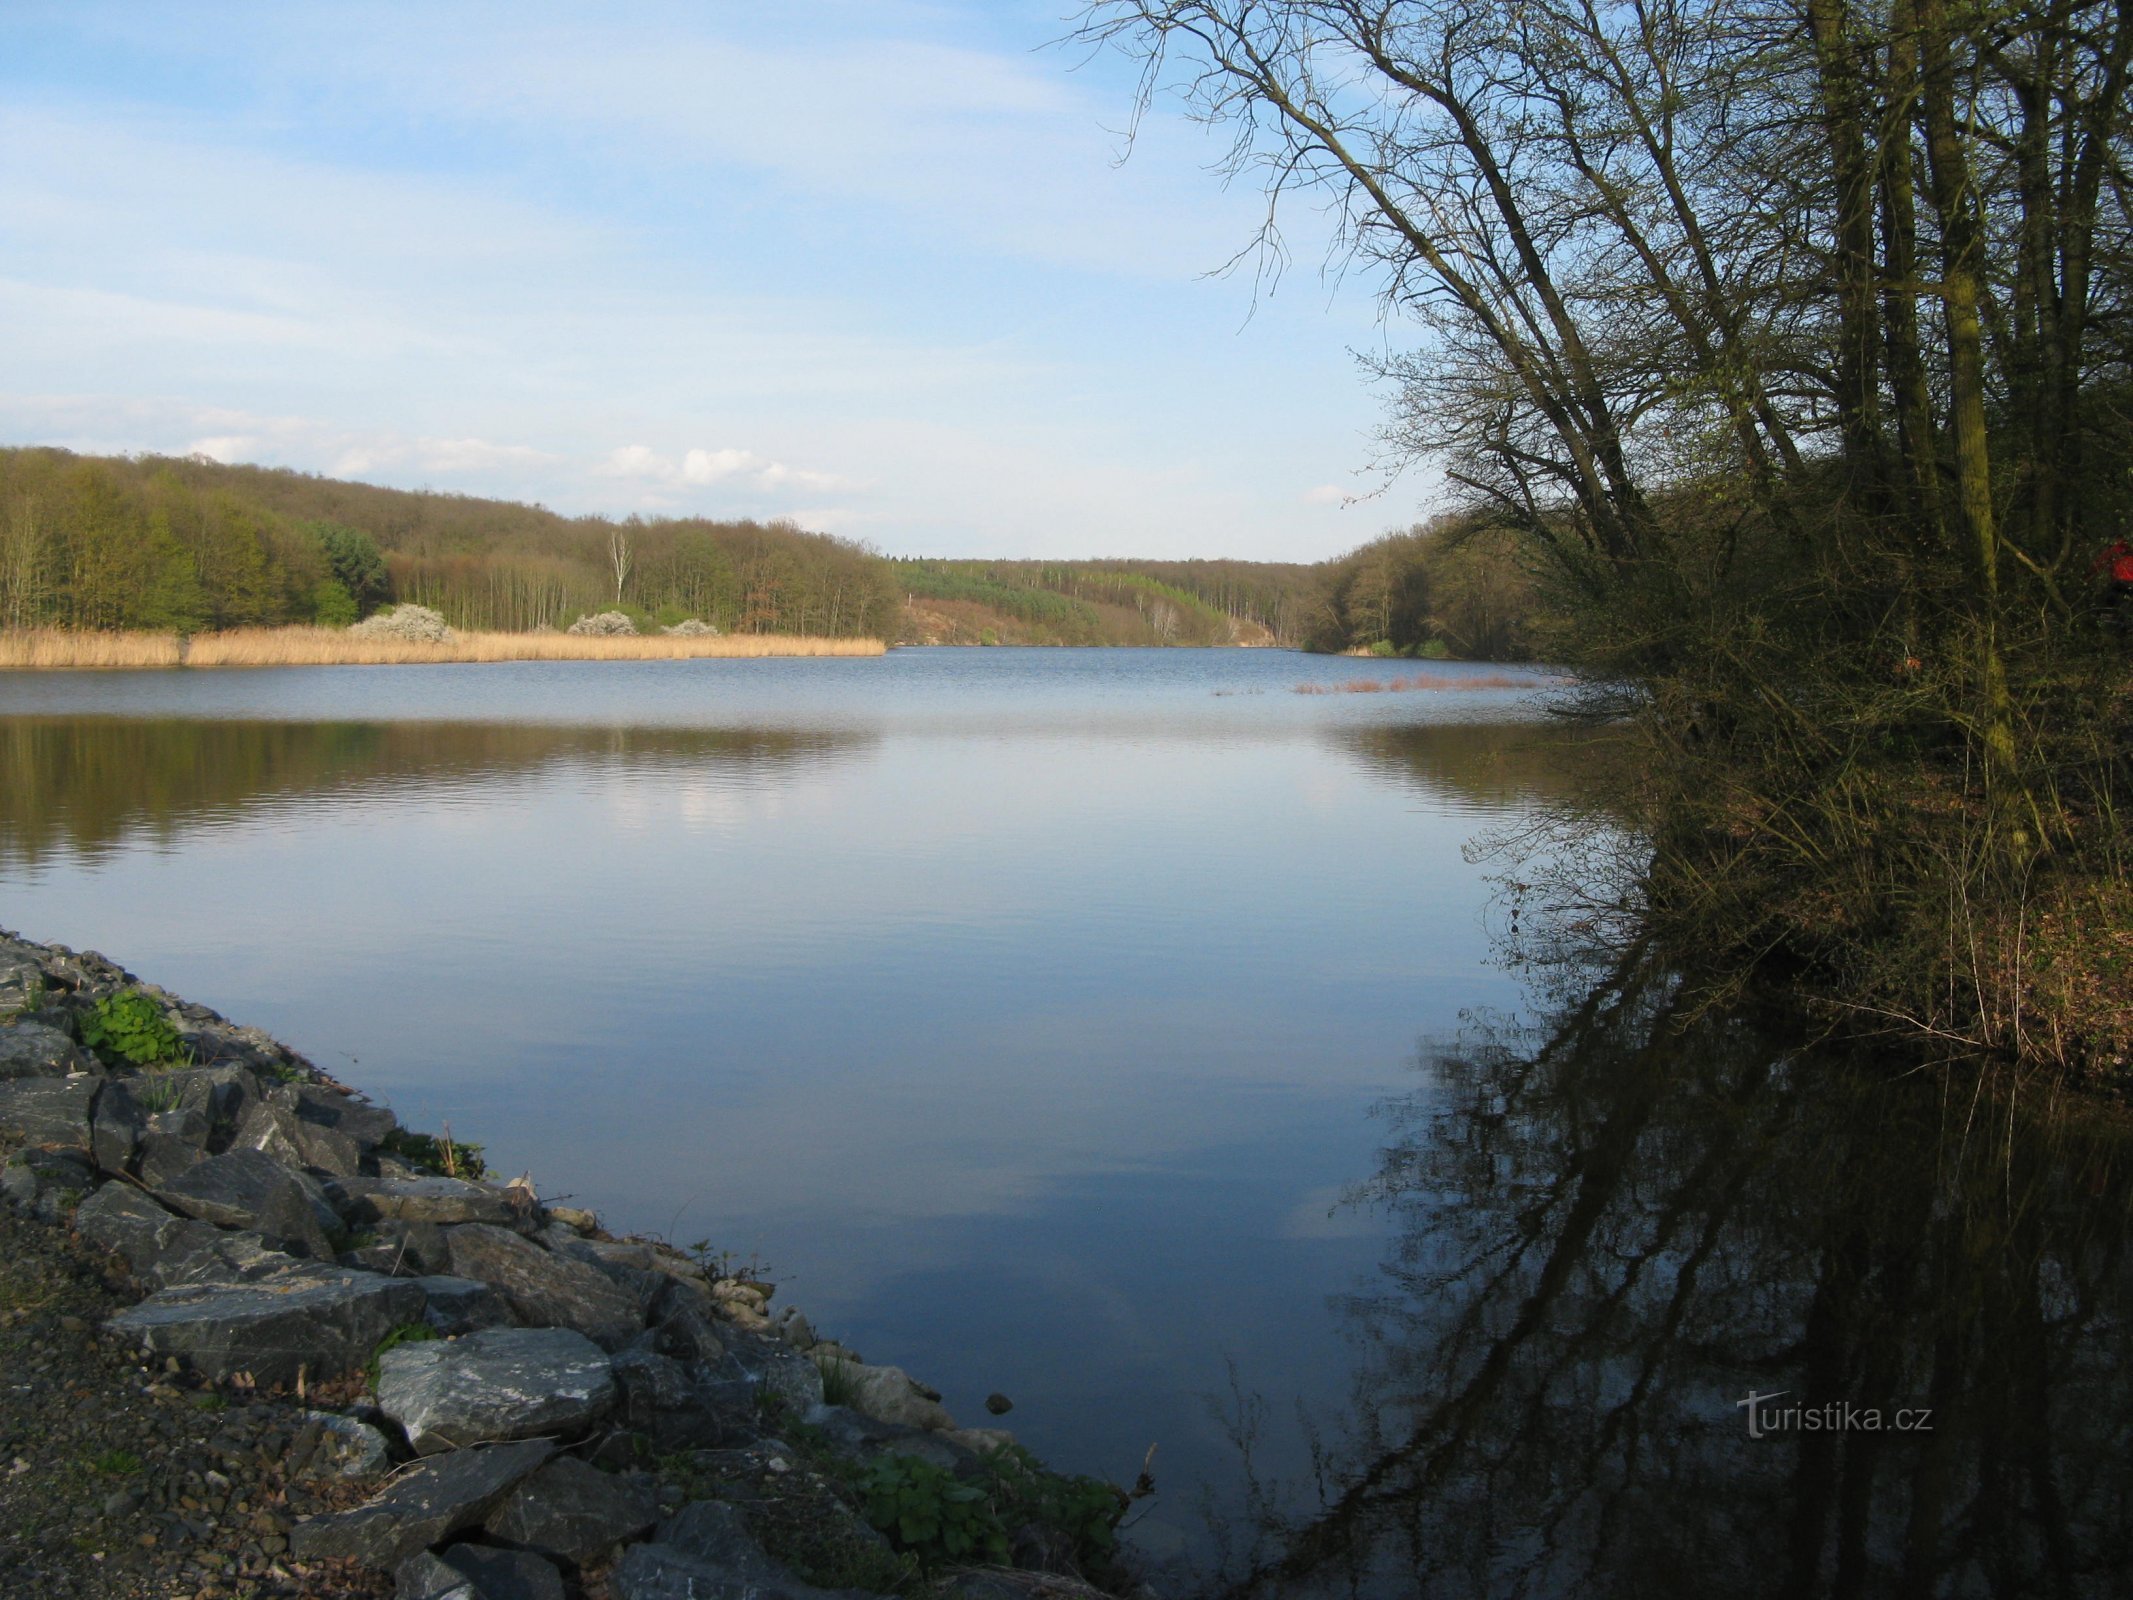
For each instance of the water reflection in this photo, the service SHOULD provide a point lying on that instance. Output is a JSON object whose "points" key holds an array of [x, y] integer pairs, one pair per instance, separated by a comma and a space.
{"points": [[1480, 766], [1612, 1232], [92, 784]]}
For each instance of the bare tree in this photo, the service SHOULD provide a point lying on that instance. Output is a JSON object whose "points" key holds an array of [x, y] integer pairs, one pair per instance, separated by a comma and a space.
{"points": [[620, 555]]}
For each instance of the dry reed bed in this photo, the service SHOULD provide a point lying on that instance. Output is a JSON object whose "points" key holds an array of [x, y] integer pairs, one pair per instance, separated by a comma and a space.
{"points": [[1422, 680], [330, 647]]}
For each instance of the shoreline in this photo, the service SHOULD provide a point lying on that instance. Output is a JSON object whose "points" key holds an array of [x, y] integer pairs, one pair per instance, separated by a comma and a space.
{"points": [[275, 1240], [58, 649]]}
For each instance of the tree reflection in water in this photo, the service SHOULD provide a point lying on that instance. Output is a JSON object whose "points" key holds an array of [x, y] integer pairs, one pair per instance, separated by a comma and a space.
{"points": [[1610, 1231]]}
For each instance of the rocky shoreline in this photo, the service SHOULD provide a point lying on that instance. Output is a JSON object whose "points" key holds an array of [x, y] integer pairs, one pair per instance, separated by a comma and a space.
{"points": [[385, 1373]]}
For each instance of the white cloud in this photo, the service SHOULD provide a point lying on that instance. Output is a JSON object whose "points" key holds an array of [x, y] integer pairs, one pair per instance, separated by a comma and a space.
{"points": [[701, 468], [1327, 494]]}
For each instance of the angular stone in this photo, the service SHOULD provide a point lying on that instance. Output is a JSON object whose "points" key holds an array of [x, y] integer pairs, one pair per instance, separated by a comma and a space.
{"points": [[705, 1550], [423, 1576], [344, 1114], [461, 1305], [201, 1253], [574, 1512], [544, 1290], [683, 1325], [346, 1448], [220, 1094], [888, 1394], [318, 1320], [777, 1367], [424, 1506], [401, 1249], [50, 1111], [682, 1407], [22, 986], [33, 1050], [852, 1433], [630, 1267], [432, 1200], [115, 1129], [121, 1219], [505, 1383], [248, 1189], [279, 1132], [166, 1156], [505, 1574]]}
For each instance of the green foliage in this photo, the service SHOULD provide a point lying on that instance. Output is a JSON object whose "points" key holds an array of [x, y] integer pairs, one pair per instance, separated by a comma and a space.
{"points": [[942, 1519], [405, 1333], [839, 1386], [332, 605], [445, 1157], [115, 1464], [129, 1026], [931, 1513]]}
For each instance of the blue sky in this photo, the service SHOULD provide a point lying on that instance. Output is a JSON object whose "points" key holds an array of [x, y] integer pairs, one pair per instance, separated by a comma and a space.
{"points": [[871, 266]]}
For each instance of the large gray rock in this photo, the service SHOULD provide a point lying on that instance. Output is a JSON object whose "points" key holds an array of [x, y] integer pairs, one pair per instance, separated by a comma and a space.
{"points": [[324, 1107], [628, 1266], [249, 1189], [888, 1394], [33, 1050], [172, 1141], [318, 1320], [574, 1512], [705, 1550], [682, 1407], [115, 1127], [201, 1253], [775, 1366], [424, 1576], [121, 1219], [220, 1094], [462, 1305], [50, 1111], [544, 1290], [431, 1200], [398, 1249], [505, 1574], [280, 1133], [22, 986], [684, 1327], [342, 1448], [505, 1383], [424, 1506]]}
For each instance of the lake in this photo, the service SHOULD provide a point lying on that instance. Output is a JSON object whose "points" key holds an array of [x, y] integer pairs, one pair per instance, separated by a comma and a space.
{"points": [[1130, 1032]]}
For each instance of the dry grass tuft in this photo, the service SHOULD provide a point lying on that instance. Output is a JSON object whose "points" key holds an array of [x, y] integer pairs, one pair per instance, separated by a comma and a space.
{"points": [[1420, 680], [330, 647], [32, 649]]}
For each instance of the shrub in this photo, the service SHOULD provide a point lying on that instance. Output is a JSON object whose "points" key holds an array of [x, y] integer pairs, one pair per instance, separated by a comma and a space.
{"points": [[129, 1026]]}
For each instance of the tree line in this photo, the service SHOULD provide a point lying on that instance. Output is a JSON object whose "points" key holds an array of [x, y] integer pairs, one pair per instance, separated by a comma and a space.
{"points": [[191, 545]]}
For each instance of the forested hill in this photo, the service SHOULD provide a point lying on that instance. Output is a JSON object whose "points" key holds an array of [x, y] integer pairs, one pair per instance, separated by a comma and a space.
{"points": [[190, 544]]}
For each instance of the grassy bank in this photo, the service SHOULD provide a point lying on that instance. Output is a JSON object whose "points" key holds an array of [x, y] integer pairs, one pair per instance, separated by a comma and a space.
{"points": [[34, 649]]}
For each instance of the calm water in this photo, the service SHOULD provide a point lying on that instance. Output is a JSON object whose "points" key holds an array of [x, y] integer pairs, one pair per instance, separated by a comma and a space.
{"points": [[1122, 1030]]}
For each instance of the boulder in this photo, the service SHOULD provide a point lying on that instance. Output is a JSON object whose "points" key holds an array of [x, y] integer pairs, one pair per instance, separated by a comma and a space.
{"points": [[201, 1253], [683, 1326], [503, 1574], [250, 1189], [461, 1305], [279, 1132], [21, 981], [50, 1111], [889, 1394], [115, 1127], [318, 1320], [630, 1267], [680, 1407], [172, 1142], [222, 1095], [423, 1576], [433, 1200], [505, 1383], [424, 1506], [573, 1512], [544, 1290], [776, 1366], [121, 1219], [399, 1249], [704, 1549], [324, 1107], [33, 1050]]}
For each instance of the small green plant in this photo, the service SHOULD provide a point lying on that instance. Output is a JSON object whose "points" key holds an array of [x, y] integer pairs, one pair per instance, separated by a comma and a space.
{"points": [[444, 1156], [209, 1400], [929, 1512], [115, 1464], [406, 1333], [129, 1026], [840, 1384], [158, 1094]]}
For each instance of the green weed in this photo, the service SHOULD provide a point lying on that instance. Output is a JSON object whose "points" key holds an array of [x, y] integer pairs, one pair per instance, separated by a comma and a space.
{"points": [[129, 1026]]}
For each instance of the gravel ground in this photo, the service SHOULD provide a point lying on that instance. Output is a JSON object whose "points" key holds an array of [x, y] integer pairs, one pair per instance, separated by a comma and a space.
{"points": [[116, 1480]]}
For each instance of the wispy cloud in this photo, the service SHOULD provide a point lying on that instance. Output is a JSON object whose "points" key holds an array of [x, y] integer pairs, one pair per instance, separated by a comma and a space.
{"points": [[705, 467]]}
